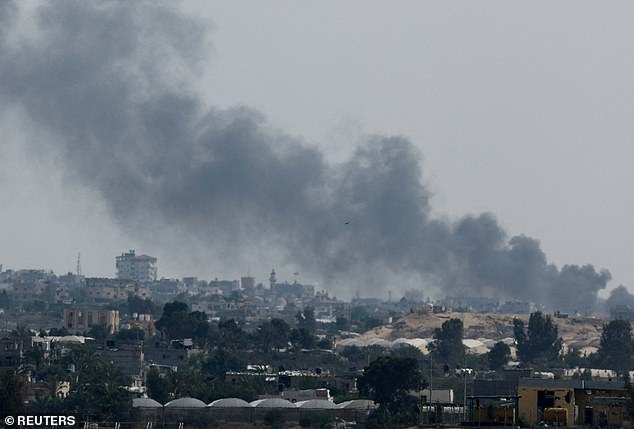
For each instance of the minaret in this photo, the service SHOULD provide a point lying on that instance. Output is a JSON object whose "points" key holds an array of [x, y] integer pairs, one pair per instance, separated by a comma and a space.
{"points": [[272, 280]]}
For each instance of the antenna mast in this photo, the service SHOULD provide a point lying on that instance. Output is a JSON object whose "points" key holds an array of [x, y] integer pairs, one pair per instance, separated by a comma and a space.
{"points": [[79, 271]]}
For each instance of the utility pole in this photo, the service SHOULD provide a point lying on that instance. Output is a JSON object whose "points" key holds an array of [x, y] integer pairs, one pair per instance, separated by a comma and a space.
{"points": [[464, 401], [431, 378]]}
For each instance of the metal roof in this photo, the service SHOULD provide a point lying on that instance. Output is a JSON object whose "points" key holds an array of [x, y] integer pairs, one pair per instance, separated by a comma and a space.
{"points": [[571, 384]]}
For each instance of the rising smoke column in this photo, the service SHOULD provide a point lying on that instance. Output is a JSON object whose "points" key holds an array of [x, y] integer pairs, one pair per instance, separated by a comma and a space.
{"points": [[108, 84]]}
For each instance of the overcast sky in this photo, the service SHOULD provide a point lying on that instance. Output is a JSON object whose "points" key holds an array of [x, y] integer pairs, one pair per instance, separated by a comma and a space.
{"points": [[521, 109]]}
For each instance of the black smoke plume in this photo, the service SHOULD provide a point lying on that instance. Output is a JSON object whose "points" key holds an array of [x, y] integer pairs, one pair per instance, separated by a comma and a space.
{"points": [[108, 84]]}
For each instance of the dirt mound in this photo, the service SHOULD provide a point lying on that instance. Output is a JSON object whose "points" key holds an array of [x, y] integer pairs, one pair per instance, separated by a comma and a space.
{"points": [[577, 332]]}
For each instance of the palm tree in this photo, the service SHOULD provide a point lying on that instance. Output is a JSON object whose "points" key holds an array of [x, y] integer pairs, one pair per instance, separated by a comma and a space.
{"points": [[23, 336]]}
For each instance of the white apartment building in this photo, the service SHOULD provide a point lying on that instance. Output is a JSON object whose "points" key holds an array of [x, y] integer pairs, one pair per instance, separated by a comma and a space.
{"points": [[141, 268]]}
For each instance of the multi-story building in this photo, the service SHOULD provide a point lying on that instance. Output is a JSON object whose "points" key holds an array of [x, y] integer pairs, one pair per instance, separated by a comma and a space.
{"points": [[166, 289], [219, 287], [127, 355], [248, 285], [82, 319], [131, 266], [102, 290], [220, 306], [28, 291]]}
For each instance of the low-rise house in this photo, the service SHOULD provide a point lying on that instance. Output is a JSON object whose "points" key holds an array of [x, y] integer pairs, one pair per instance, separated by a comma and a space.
{"points": [[176, 354], [572, 402], [144, 322], [127, 355]]}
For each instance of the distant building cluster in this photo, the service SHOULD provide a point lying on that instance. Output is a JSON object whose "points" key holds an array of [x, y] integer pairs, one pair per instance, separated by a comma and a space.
{"points": [[242, 299], [114, 319]]}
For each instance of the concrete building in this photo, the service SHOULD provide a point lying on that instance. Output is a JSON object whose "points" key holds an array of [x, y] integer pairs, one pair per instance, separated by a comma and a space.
{"points": [[10, 352], [103, 290], [248, 285], [28, 291], [572, 402], [82, 319], [173, 355], [144, 322], [220, 287], [127, 355], [131, 266]]}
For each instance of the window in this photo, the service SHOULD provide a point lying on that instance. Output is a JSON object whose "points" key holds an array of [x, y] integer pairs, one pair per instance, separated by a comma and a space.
{"points": [[545, 399]]}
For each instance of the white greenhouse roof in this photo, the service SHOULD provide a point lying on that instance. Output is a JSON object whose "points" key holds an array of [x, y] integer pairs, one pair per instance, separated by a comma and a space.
{"points": [[229, 403], [272, 403], [316, 404], [186, 403]]}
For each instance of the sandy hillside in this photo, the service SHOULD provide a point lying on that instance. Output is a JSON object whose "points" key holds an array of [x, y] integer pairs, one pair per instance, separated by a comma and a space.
{"points": [[577, 332]]}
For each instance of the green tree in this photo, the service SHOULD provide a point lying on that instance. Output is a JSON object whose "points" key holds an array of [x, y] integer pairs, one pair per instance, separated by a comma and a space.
{"points": [[573, 359], [172, 308], [499, 355], [406, 350], [306, 320], [630, 393], [342, 323], [230, 336], [172, 319], [302, 338], [131, 334], [541, 343], [58, 332], [96, 388], [447, 345], [325, 343], [99, 332], [34, 356], [387, 381], [11, 394], [5, 300], [273, 334], [616, 347], [158, 387], [23, 335], [218, 363], [177, 322], [139, 305]]}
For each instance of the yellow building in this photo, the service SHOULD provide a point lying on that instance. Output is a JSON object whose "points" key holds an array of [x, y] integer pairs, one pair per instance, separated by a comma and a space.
{"points": [[82, 319], [571, 402]]}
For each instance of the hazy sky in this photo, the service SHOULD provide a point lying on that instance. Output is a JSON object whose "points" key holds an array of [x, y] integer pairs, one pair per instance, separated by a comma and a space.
{"points": [[521, 109]]}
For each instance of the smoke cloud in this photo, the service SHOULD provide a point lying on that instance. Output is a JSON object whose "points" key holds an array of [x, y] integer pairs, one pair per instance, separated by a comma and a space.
{"points": [[108, 83]]}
